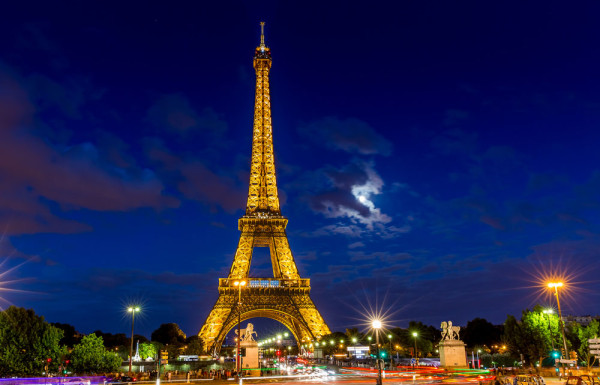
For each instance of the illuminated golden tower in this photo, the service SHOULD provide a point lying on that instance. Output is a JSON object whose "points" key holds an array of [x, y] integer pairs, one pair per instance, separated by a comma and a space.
{"points": [[286, 297]]}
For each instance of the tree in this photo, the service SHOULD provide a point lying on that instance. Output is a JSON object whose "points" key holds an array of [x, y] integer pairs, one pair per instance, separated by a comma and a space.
{"points": [[114, 340], [584, 333], [194, 346], [71, 336], [330, 343], [497, 360], [90, 356], [533, 336], [427, 335], [480, 332], [149, 349], [352, 333], [169, 334], [26, 342]]}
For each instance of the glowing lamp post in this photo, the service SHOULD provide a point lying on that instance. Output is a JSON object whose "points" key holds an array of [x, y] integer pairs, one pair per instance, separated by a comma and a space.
{"points": [[415, 334], [132, 310], [376, 324], [555, 286], [238, 358]]}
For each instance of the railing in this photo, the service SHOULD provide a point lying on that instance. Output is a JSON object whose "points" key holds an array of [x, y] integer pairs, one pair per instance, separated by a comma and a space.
{"points": [[265, 282]]}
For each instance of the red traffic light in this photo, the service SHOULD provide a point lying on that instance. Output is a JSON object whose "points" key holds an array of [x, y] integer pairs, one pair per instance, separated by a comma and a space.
{"points": [[48, 360], [279, 352], [67, 362]]}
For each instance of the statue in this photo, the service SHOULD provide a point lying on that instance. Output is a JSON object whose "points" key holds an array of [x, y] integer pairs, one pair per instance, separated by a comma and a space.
{"points": [[449, 332], [452, 349], [247, 333]]}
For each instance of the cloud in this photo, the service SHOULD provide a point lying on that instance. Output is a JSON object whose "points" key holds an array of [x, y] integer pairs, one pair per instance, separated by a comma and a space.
{"points": [[202, 184], [337, 229], [456, 142], [175, 113], [351, 135], [355, 245], [350, 194], [454, 117], [36, 173], [195, 180]]}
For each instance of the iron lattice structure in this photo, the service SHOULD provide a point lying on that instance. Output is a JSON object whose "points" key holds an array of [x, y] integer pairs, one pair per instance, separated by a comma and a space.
{"points": [[286, 297]]}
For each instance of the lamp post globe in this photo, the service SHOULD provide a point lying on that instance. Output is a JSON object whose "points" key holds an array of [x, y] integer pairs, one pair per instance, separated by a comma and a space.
{"points": [[555, 286], [132, 310], [415, 334], [376, 324], [238, 366]]}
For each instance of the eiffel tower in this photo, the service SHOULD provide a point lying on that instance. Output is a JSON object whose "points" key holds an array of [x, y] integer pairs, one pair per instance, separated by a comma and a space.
{"points": [[286, 297]]}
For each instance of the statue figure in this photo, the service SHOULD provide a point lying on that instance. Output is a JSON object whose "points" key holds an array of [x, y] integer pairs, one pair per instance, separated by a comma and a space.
{"points": [[444, 327], [449, 332], [247, 333]]}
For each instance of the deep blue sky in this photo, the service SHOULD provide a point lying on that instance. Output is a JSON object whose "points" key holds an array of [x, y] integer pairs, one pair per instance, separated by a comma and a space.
{"points": [[470, 128]]}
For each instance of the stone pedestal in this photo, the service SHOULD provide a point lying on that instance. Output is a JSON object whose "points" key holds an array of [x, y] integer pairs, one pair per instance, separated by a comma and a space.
{"points": [[453, 354], [250, 360]]}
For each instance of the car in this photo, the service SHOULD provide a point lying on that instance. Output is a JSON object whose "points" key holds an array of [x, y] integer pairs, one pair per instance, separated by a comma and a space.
{"points": [[122, 379], [590, 380], [583, 380], [529, 379]]}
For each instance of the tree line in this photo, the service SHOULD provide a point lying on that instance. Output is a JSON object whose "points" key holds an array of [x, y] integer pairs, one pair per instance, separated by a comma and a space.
{"points": [[30, 346], [534, 339]]}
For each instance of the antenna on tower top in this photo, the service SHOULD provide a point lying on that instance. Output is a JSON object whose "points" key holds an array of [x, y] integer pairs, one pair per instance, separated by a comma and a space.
{"points": [[262, 33]]}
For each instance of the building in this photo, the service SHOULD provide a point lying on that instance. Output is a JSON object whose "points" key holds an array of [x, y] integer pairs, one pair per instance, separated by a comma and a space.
{"points": [[583, 320], [358, 351]]}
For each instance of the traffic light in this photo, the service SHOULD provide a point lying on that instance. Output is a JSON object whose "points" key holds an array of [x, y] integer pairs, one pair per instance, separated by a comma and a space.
{"points": [[278, 353], [555, 354], [48, 360], [382, 355]]}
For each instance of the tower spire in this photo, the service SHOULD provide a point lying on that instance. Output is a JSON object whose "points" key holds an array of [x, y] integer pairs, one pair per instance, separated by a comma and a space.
{"points": [[262, 193]]}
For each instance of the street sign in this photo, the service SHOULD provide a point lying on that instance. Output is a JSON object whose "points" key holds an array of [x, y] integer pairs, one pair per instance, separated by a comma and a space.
{"points": [[595, 352], [594, 346], [594, 341], [564, 361]]}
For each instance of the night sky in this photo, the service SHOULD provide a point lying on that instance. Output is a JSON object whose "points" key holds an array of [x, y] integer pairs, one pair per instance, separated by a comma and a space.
{"points": [[434, 158]]}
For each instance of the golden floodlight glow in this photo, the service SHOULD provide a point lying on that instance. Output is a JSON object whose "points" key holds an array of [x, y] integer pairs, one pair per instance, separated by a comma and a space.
{"points": [[376, 324], [555, 284]]}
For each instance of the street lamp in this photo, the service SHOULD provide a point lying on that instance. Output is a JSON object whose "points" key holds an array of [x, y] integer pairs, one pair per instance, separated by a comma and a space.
{"points": [[239, 285], [377, 325], [415, 334], [555, 286], [478, 362], [132, 310], [390, 340]]}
